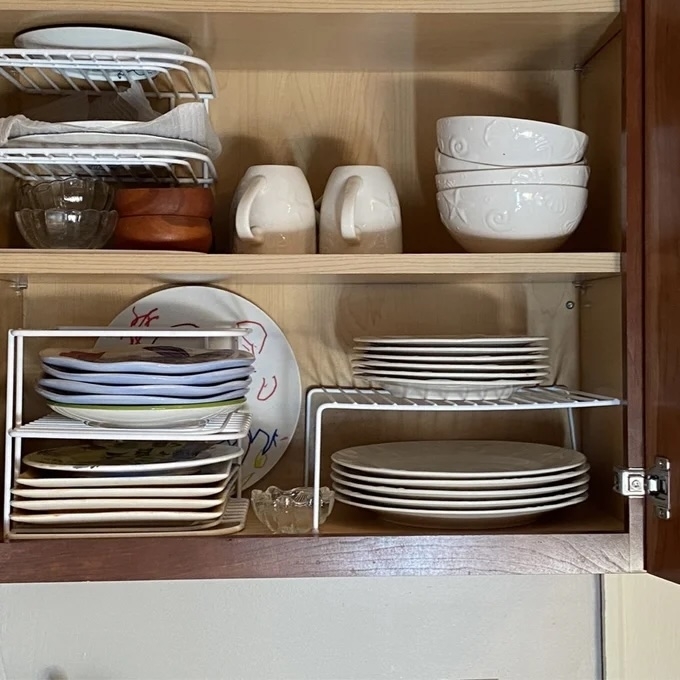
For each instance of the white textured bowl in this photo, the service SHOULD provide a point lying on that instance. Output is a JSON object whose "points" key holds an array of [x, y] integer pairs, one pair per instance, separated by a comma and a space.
{"points": [[445, 163], [531, 218], [570, 175], [509, 141]]}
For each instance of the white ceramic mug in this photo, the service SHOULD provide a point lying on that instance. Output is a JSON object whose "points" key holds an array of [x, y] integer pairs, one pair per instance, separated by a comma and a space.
{"points": [[360, 212], [273, 211]]}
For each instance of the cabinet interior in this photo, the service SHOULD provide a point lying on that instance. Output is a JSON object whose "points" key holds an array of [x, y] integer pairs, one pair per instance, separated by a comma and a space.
{"points": [[320, 90]]}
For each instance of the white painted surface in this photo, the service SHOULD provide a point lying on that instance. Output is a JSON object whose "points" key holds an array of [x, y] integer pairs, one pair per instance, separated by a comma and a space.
{"points": [[642, 628], [442, 628]]}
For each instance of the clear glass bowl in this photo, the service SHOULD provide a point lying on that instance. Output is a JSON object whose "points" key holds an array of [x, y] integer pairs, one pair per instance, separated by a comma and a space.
{"points": [[71, 193], [290, 512], [66, 228]]}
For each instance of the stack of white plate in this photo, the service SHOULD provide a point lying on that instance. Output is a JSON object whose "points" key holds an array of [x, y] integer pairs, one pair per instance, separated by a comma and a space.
{"points": [[145, 385], [450, 367], [460, 484], [125, 487]]}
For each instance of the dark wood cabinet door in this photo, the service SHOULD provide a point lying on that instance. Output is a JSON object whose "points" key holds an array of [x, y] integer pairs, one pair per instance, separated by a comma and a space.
{"points": [[660, 211]]}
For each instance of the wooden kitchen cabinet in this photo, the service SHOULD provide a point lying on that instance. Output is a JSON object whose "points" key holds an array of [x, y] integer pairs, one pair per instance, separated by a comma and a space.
{"points": [[321, 84]]}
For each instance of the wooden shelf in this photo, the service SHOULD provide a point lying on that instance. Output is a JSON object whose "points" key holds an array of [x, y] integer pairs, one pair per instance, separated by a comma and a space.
{"points": [[66, 265], [580, 540], [330, 6]]}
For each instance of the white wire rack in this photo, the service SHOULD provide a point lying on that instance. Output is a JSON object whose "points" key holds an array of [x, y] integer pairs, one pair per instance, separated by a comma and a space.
{"points": [[171, 77], [113, 164], [322, 399], [234, 427]]}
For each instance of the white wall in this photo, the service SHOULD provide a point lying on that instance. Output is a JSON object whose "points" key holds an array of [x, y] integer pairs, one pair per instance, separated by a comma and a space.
{"points": [[442, 628], [642, 628]]}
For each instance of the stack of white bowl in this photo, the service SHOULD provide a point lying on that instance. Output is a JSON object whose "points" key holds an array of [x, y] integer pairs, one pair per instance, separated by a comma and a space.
{"points": [[507, 185]]}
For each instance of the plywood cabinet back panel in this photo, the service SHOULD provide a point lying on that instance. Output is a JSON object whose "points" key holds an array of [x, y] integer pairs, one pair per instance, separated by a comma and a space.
{"points": [[320, 322], [320, 120], [380, 35]]}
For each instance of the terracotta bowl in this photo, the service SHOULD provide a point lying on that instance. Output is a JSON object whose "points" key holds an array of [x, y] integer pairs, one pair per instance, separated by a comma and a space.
{"points": [[180, 201], [163, 232]]}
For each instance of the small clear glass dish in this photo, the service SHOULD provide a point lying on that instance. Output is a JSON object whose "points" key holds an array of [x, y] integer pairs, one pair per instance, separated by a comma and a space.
{"points": [[290, 511], [70, 193], [66, 228]]}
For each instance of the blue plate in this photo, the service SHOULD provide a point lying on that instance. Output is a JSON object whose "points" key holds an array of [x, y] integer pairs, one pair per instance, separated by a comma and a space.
{"points": [[208, 378], [159, 359], [136, 400], [148, 390]]}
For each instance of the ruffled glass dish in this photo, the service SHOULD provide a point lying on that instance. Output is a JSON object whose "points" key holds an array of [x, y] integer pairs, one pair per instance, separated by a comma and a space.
{"points": [[290, 511], [56, 228], [70, 193]]}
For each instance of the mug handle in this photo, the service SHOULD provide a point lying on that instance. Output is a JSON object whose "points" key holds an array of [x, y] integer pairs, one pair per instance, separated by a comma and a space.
{"points": [[348, 229], [245, 205]]}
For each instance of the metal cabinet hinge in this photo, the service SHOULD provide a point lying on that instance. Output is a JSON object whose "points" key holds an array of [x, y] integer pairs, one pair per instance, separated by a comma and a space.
{"points": [[655, 483]]}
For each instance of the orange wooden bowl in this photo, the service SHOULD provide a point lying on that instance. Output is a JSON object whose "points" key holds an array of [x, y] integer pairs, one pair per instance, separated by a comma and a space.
{"points": [[163, 232], [183, 201]]}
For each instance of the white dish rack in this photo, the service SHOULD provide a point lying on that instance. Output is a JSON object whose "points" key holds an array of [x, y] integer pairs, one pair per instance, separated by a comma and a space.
{"points": [[234, 426], [173, 77], [148, 166], [168, 77], [322, 399]]}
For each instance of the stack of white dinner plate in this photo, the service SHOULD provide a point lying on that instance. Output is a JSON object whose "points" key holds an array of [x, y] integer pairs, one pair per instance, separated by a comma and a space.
{"points": [[125, 487], [451, 367], [145, 386], [460, 484]]}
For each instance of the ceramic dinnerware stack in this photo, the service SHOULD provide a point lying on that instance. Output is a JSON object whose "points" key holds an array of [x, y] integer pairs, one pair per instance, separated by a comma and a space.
{"points": [[460, 484], [510, 185], [469, 368], [125, 487], [145, 386]]}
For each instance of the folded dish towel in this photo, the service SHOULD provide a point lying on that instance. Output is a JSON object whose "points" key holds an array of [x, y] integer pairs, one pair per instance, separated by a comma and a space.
{"points": [[188, 122]]}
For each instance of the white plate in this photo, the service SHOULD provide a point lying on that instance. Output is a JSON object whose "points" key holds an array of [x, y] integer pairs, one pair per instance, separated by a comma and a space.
{"points": [[484, 362], [460, 390], [89, 504], [461, 365], [476, 504], [208, 378], [107, 139], [459, 459], [164, 358], [423, 351], [211, 474], [116, 400], [541, 488], [113, 518], [379, 374], [488, 485], [230, 522], [275, 397], [162, 390], [129, 457], [146, 416], [95, 38], [452, 340], [122, 492], [462, 519]]}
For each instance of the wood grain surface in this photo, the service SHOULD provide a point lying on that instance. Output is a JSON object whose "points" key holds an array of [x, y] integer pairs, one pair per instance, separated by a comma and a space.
{"points": [[353, 543], [159, 265], [662, 268], [442, 6], [275, 557]]}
